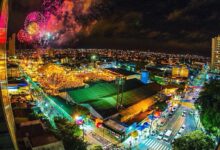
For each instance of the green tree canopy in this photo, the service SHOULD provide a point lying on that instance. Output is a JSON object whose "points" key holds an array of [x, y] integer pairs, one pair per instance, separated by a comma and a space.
{"points": [[209, 101], [70, 133], [96, 147], [195, 140]]}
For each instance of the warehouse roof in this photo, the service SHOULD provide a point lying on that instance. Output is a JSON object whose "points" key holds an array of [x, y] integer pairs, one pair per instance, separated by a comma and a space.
{"points": [[100, 90], [62, 104], [106, 106]]}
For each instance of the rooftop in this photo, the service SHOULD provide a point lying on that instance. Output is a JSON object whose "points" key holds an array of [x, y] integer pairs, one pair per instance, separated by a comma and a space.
{"points": [[100, 90], [103, 96], [36, 134], [122, 71], [94, 91], [106, 106], [63, 104], [46, 139]]}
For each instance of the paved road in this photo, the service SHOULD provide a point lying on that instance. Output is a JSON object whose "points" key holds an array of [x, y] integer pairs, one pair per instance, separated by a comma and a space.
{"points": [[191, 123], [152, 144]]}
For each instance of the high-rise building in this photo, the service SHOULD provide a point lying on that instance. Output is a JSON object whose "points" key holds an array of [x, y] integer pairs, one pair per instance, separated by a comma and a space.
{"points": [[215, 60], [11, 45], [7, 125]]}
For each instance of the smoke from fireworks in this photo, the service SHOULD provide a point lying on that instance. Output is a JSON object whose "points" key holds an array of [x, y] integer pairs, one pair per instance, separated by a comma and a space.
{"points": [[56, 23]]}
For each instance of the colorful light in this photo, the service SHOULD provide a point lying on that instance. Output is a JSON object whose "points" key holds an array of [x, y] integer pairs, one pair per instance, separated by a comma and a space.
{"points": [[57, 23], [33, 28], [24, 37], [79, 120], [98, 123], [36, 17]]}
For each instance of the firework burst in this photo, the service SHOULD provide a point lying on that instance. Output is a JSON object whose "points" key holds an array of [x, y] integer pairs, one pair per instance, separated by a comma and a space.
{"points": [[56, 23]]}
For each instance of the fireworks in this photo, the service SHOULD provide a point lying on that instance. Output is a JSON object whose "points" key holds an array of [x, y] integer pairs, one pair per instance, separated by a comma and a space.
{"points": [[33, 28], [36, 17], [50, 7], [56, 23], [24, 37]]}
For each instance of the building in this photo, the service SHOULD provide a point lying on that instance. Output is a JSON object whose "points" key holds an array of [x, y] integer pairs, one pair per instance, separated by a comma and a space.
{"points": [[145, 77], [11, 45], [101, 100], [7, 126], [180, 72], [17, 86], [125, 73], [33, 136], [13, 70], [215, 57]]}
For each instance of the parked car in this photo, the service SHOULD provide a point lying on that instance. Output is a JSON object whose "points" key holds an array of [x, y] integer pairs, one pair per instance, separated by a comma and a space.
{"points": [[159, 137], [181, 130], [183, 113], [183, 126], [166, 139], [177, 136], [170, 114]]}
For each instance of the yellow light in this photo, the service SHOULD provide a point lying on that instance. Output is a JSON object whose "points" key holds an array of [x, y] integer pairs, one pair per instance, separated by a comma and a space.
{"points": [[33, 28], [76, 117]]}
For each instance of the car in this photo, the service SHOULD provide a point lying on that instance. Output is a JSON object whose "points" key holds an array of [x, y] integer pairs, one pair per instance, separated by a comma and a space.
{"points": [[181, 130], [161, 133], [162, 123], [174, 109], [166, 139], [168, 133], [183, 115], [159, 137], [177, 136], [191, 112], [170, 115], [183, 126], [153, 133]]}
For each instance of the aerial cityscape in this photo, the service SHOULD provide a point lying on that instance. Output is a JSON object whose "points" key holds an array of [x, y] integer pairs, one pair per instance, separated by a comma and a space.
{"points": [[109, 75]]}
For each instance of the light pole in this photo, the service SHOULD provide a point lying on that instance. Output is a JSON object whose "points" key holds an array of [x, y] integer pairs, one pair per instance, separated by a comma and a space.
{"points": [[83, 131], [93, 59], [80, 121]]}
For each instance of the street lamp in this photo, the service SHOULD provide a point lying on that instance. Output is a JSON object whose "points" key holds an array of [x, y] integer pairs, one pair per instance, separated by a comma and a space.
{"points": [[93, 59], [80, 121]]}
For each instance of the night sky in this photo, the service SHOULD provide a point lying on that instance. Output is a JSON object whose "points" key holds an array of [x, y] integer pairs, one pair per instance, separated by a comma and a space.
{"points": [[184, 26]]}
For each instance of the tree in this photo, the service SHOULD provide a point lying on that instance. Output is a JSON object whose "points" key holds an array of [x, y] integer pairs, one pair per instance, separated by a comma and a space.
{"points": [[96, 147], [209, 101], [181, 87], [161, 105], [195, 140], [70, 129], [70, 133], [80, 110]]}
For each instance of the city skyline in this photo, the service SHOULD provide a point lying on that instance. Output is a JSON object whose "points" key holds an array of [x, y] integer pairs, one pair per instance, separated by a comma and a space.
{"points": [[109, 75], [186, 26]]}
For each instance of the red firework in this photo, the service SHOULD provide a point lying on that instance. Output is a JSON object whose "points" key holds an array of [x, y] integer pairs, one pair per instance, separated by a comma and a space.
{"points": [[34, 17], [24, 37]]}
